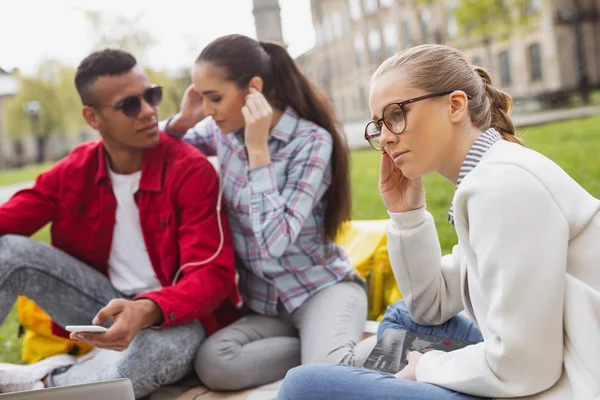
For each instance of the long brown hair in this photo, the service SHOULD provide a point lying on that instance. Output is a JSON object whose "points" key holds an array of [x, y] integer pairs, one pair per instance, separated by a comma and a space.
{"points": [[243, 58], [421, 66]]}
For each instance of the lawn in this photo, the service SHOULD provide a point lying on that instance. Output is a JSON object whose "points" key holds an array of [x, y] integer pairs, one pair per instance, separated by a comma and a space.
{"points": [[24, 174], [574, 145]]}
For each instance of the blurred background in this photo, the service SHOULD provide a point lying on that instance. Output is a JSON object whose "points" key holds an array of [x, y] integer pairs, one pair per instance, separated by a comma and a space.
{"points": [[546, 53]]}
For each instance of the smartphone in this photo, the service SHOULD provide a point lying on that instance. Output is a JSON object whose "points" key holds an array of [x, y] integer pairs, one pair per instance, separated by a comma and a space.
{"points": [[86, 328]]}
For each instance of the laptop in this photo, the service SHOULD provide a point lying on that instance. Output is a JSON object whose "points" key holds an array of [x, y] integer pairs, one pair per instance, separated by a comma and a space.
{"points": [[120, 389], [389, 354]]}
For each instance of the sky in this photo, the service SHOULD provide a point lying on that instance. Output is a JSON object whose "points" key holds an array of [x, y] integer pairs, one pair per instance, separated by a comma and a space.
{"points": [[34, 30]]}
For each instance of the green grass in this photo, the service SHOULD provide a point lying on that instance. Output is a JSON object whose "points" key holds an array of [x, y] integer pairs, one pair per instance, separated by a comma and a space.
{"points": [[596, 97], [18, 175], [576, 100], [574, 145]]}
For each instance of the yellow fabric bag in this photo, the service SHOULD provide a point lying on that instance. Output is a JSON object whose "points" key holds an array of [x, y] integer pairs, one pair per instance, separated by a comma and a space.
{"points": [[41, 339], [366, 244]]}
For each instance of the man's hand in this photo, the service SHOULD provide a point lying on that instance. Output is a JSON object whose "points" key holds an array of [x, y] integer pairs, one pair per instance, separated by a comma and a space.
{"points": [[410, 371], [129, 317]]}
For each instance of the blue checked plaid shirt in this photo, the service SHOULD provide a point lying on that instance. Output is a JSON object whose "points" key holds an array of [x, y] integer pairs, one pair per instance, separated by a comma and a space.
{"points": [[276, 212]]}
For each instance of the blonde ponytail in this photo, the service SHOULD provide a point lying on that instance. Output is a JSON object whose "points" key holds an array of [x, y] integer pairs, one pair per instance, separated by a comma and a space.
{"points": [[500, 106]]}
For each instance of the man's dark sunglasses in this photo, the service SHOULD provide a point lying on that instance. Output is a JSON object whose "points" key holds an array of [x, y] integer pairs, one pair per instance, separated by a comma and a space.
{"points": [[132, 105]]}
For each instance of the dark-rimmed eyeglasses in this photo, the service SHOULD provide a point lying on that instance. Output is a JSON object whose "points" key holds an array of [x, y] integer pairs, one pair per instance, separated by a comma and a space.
{"points": [[132, 105], [394, 118]]}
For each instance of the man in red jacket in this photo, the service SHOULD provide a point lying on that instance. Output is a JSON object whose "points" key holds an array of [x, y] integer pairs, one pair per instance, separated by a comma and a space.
{"points": [[138, 241]]}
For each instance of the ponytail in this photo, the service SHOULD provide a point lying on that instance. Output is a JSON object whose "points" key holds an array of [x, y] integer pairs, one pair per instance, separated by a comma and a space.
{"points": [[290, 87], [500, 106]]}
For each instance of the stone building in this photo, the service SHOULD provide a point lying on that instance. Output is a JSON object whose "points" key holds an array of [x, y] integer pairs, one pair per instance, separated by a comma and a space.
{"points": [[537, 64]]}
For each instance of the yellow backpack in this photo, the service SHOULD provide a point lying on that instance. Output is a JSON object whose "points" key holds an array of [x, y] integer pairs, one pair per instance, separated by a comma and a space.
{"points": [[366, 244], [43, 338], [364, 241]]}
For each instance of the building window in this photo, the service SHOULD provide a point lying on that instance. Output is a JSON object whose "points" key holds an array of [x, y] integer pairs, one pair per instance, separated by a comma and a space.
{"points": [[370, 6], [364, 98], [319, 34], [407, 34], [337, 25], [359, 49], [346, 24], [327, 29], [425, 19], [504, 65], [390, 37], [386, 3], [451, 25], [534, 5], [375, 44], [535, 62], [355, 11], [477, 62]]}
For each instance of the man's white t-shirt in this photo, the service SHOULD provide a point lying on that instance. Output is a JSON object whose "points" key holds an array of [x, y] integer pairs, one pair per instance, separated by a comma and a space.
{"points": [[129, 267]]}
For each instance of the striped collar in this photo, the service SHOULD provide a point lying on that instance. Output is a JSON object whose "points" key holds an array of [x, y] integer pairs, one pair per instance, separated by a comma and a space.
{"points": [[476, 152]]}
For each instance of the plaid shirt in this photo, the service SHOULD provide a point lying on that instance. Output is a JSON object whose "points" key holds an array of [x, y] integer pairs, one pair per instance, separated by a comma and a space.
{"points": [[476, 152], [276, 211]]}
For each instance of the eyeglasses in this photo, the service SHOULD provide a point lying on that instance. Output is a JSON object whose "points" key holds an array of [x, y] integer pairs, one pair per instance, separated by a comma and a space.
{"points": [[394, 118], [132, 105]]}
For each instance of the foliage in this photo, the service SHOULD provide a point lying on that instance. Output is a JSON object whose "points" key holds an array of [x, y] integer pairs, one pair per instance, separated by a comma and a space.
{"points": [[53, 87], [110, 31], [488, 18], [53, 83]]}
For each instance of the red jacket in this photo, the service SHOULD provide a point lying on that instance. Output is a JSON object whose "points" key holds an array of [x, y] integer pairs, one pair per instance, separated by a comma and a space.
{"points": [[177, 201]]}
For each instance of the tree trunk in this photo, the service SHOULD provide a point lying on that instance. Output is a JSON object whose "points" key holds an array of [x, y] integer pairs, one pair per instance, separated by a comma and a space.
{"points": [[41, 142], [19, 153], [583, 83]]}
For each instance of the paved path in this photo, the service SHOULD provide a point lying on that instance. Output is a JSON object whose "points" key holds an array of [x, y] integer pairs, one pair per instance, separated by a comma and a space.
{"points": [[8, 190], [355, 133]]}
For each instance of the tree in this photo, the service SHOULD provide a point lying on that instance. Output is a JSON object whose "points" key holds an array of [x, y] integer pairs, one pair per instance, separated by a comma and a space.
{"points": [[126, 34], [119, 32], [491, 19], [52, 87]]}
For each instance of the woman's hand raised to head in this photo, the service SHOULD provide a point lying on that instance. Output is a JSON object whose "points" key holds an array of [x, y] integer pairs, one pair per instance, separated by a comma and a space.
{"points": [[258, 115], [399, 194], [190, 113]]}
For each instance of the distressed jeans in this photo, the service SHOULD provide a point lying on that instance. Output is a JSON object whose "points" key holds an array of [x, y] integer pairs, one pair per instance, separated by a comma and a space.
{"points": [[72, 292]]}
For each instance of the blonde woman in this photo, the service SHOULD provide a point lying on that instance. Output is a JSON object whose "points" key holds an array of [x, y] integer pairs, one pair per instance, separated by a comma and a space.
{"points": [[526, 267]]}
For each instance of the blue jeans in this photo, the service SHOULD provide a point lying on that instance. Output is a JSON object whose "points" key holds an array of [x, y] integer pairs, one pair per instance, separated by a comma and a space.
{"points": [[331, 382]]}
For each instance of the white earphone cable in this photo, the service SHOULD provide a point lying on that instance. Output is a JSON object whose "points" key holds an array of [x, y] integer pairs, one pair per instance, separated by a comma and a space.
{"points": [[221, 240]]}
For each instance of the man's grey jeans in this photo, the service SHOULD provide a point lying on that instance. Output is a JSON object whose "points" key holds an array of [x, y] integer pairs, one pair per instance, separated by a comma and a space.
{"points": [[72, 292]]}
